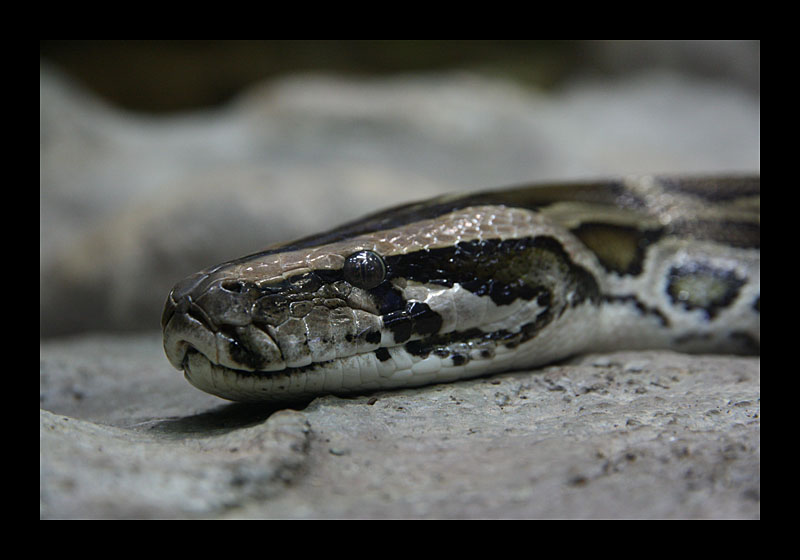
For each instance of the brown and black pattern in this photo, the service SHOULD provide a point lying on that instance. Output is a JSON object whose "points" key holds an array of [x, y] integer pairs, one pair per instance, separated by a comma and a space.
{"points": [[649, 255]]}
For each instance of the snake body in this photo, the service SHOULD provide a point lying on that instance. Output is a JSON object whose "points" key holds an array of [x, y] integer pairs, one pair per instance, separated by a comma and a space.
{"points": [[461, 286]]}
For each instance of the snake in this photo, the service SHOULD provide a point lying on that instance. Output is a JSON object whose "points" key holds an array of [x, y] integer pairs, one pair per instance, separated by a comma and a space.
{"points": [[466, 285]]}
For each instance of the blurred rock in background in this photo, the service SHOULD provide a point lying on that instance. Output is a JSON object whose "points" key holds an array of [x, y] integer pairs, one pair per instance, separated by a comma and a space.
{"points": [[158, 159]]}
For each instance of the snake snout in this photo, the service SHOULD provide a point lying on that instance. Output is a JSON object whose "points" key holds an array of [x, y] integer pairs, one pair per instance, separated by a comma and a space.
{"points": [[180, 295], [211, 313]]}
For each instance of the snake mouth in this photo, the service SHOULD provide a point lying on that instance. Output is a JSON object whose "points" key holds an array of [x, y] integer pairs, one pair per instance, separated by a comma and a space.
{"points": [[288, 384], [189, 329], [249, 350], [211, 362]]}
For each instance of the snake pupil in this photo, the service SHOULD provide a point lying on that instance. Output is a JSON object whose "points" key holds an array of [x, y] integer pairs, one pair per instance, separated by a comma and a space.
{"points": [[364, 269]]}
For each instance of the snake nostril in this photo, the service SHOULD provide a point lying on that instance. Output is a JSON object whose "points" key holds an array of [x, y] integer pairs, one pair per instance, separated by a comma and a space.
{"points": [[232, 286]]}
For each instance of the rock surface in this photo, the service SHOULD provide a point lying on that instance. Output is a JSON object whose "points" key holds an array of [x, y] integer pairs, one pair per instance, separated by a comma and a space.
{"points": [[624, 435]]}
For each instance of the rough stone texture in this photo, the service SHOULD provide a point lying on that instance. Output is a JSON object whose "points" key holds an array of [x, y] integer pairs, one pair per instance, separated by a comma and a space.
{"points": [[624, 435], [130, 204]]}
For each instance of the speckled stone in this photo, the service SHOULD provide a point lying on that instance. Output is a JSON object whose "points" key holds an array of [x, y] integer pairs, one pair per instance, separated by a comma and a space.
{"points": [[622, 435]]}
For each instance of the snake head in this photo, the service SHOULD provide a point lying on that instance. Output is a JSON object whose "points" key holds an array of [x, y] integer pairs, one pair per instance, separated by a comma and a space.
{"points": [[358, 312]]}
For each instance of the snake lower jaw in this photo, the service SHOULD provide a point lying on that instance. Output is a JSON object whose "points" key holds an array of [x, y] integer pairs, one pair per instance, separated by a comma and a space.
{"points": [[213, 378], [283, 385]]}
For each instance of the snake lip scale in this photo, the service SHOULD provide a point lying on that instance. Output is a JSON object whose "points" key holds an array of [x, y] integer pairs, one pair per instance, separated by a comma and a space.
{"points": [[467, 285]]}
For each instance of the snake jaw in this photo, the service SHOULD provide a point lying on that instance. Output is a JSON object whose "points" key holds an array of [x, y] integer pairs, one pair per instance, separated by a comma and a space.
{"points": [[256, 326]]}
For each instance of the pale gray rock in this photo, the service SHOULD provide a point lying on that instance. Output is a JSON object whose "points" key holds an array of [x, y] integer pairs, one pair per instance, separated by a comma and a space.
{"points": [[90, 470], [623, 435]]}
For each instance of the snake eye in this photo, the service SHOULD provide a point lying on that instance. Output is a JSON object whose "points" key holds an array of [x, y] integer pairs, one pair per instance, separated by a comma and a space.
{"points": [[364, 269]]}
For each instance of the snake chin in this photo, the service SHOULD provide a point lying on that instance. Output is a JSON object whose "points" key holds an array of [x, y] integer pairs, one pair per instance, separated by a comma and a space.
{"points": [[287, 384]]}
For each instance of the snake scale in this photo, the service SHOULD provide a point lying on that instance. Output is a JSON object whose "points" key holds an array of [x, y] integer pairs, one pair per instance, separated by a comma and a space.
{"points": [[466, 285]]}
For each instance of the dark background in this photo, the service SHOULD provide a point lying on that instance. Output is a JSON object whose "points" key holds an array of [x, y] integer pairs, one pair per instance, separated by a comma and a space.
{"points": [[165, 76]]}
